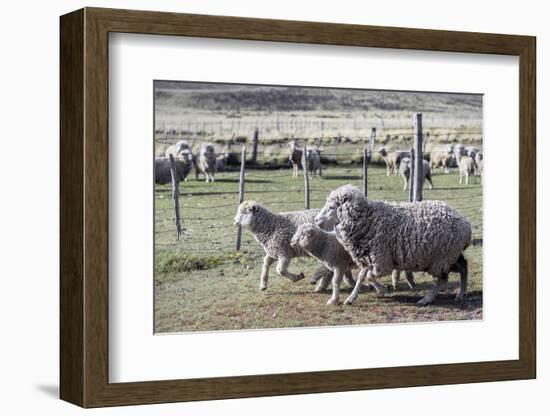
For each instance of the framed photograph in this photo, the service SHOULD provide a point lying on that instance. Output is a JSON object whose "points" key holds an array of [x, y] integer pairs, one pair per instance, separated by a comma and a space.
{"points": [[255, 207]]}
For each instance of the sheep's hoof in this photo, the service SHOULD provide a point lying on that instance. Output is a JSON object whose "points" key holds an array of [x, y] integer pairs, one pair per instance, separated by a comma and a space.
{"points": [[332, 301], [459, 297], [263, 287], [319, 289], [349, 301], [300, 277]]}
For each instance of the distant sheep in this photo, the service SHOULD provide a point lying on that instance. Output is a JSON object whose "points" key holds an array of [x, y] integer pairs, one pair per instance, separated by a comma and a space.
{"points": [[426, 236], [176, 149], [392, 160], [183, 163], [405, 171], [479, 163], [295, 157], [207, 161], [221, 162], [313, 157], [466, 168], [442, 158]]}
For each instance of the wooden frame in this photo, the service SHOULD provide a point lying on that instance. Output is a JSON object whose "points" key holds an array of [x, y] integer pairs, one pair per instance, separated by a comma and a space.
{"points": [[84, 207]]}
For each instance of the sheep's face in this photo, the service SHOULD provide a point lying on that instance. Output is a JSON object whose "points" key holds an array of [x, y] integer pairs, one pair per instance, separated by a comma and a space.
{"points": [[327, 218], [304, 235], [245, 213], [186, 156], [382, 152], [208, 150]]}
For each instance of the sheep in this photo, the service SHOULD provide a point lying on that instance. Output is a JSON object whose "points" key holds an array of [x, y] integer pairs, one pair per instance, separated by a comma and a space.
{"points": [[466, 167], [324, 246], [295, 157], [207, 161], [221, 162], [313, 157], [176, 149], [405, 171], [183, 163], [479, 163], [426, 236], [443, 158], [274, 233], [392, 160]]}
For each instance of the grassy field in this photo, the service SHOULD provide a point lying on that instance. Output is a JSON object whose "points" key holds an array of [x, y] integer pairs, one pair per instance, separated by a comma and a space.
{"points": [[203, 284]]}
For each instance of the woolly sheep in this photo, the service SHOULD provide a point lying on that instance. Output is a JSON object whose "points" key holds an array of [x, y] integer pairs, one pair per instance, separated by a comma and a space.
{"points": [[221, 162], [466, 167], [313, 157], [425, 236], [176, 149], [392, 160], [274, 232], [295, 157], [207, 161], [183, 163], [405, 171], [442, 158]]}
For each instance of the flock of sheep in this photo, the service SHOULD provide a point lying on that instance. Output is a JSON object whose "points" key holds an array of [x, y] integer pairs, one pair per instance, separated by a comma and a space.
{"points": [[206, 162], [377, 237], [469, 161]]}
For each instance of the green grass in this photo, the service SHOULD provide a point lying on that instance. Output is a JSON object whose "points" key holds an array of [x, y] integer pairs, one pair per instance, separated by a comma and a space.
{"points": [[203, 284]]}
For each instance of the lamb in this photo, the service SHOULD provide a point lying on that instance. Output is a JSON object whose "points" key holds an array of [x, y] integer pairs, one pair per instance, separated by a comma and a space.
{"points": [[392, 160], [313, 157], [274, 233], [443, 158], [479, 163], [176, 149], [183, 163], [324, 246], [426, 236], [405, 171], [207, 161]]}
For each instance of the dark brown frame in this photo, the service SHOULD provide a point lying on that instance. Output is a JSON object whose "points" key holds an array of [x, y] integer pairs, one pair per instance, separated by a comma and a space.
{"points": [[84, 207]]}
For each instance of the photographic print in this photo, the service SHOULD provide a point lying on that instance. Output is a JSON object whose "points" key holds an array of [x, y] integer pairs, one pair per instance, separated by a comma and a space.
{"points": [[292, 206]]}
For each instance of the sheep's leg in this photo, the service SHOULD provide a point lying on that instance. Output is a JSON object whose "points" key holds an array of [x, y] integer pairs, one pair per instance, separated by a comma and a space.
{"points": [[348, 278], [388, 169], [440, 285], [320, 272], [460, 178], [409, 276], [336, 281], [405, 180], [461, 266], [429, 179], [360, 278], [268, 261], [282, 270], [323, 283], [395, 278]]}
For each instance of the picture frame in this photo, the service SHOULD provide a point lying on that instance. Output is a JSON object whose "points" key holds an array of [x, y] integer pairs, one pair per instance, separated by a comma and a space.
{"points": [[84, 217]]}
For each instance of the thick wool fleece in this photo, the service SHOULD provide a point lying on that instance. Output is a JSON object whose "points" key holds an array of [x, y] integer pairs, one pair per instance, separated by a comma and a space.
{"points": [[425, 236]]}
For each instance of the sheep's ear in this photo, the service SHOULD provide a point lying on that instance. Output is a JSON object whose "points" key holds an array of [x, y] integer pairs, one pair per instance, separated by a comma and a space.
{"points": [[255, 208]]}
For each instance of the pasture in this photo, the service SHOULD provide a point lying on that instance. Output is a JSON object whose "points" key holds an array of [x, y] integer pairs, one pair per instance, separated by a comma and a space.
{"points": [[203, 284]]}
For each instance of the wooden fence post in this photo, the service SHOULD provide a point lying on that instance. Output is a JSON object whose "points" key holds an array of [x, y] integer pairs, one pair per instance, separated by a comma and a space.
{"points": [[241, 194], [306, 176], [371, 143], [411, 176], [255, 145], [365, 171], [418, 158], [175, 195]]}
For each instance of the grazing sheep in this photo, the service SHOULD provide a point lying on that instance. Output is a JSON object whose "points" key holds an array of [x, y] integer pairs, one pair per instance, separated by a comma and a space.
{"points": [[392, 160], [176, 149], [405, 171], [314, 162], [221, 162], [184, 163], [442, 158], [425, 236], [325, 247], [207, 161], [295, 157]]}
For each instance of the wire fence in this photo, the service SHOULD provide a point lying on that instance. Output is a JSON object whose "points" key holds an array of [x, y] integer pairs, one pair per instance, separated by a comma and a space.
{"points": [[207, 209]]}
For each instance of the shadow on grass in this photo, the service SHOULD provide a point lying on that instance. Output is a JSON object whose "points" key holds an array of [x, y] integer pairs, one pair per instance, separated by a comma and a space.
{"points": [[472, 299]]}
